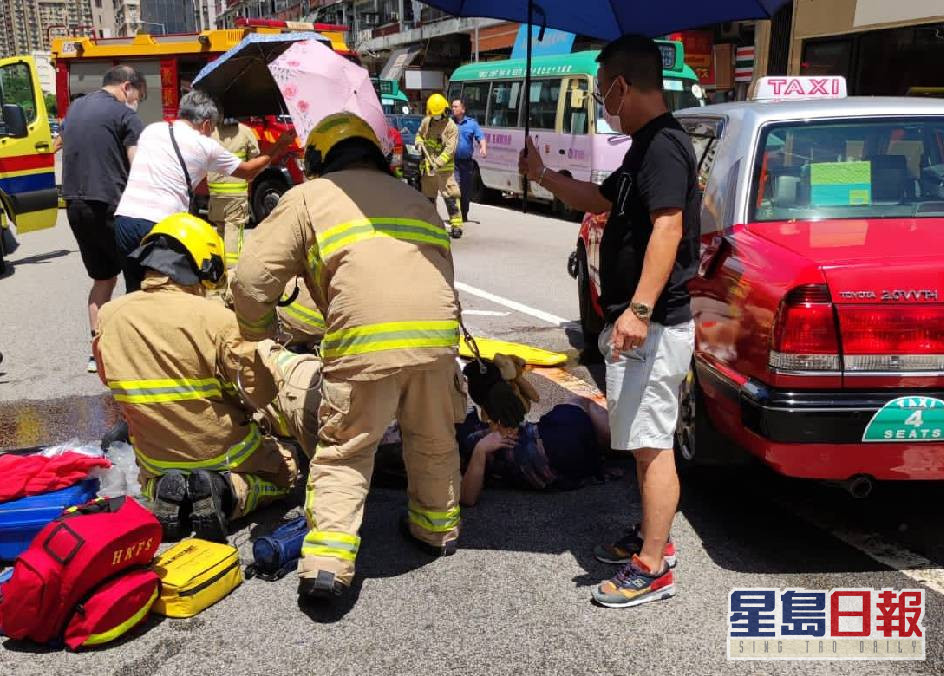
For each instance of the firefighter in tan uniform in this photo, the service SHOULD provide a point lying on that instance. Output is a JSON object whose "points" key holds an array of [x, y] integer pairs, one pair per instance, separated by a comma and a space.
{"points": [[229, 196], [437, 137], [379, 267], [173, 359]]}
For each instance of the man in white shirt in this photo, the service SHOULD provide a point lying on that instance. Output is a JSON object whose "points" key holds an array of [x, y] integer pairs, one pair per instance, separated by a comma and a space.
{"points": [[158, 182]]}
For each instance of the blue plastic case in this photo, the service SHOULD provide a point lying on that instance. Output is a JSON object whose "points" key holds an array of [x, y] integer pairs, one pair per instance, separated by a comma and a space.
{"points": [[21, 520]]}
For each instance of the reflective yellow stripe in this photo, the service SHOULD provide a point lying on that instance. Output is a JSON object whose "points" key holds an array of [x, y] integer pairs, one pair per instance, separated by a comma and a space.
{"points": [[434, 522], [233, 188], [390, 336], [306, 316], [258, 490], [405, 229], [234, 456], [164, 390], [261, 323], [331, 544], [118, 630]]}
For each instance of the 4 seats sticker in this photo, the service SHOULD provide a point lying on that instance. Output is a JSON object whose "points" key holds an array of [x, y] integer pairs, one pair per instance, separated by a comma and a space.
{"points": [[907, 419]]}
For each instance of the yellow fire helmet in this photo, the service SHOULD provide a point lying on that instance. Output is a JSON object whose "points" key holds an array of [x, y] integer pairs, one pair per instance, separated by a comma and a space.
{"points": [[330, 132], [436, 105], [201, 241]]}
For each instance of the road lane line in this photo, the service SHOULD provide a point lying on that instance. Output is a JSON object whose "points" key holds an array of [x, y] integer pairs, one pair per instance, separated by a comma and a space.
{"points": [[572, 384], [873, 545], [513, 304], [485, 313]]}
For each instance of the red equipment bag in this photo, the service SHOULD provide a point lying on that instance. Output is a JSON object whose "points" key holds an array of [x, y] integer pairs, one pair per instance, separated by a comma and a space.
{"points": [[71, 557], [113, 609]]}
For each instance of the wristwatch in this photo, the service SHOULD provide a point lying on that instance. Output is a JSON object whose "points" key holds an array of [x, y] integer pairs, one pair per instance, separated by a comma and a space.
{"points": [[641, 310]]}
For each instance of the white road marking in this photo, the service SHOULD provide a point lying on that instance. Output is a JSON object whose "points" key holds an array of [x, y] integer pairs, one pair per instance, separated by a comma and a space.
{"points": [[918, 568], [513, 304], [485, 313]]}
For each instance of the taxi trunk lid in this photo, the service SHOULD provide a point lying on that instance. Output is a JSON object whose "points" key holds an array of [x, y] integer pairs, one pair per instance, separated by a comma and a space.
{"points": [[886, 283]]}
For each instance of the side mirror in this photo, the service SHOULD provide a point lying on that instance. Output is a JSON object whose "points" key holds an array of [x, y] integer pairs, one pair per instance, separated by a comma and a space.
{"points": [[577, 98], [14, 119]]}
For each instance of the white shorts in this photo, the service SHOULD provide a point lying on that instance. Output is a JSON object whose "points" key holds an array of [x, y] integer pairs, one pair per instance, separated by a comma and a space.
{"points": [[642, 386]]}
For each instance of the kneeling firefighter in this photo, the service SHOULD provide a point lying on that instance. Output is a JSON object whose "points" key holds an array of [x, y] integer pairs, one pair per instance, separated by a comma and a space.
{"points": [[379, 267], [173, 358], [437, 137]]}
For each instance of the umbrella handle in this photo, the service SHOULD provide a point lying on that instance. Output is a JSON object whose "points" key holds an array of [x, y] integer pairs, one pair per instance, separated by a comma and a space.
{"points": [[527, 89]]}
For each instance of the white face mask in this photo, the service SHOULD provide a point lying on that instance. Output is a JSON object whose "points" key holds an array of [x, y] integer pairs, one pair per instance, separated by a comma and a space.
{"points": [[613, 119], [133, 105]]}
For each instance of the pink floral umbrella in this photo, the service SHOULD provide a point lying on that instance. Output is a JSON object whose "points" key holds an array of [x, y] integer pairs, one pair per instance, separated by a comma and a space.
{"points": [[316, 82]]}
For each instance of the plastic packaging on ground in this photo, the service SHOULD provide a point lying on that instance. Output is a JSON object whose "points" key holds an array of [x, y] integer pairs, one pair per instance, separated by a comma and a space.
{"points": [[122, 477]]}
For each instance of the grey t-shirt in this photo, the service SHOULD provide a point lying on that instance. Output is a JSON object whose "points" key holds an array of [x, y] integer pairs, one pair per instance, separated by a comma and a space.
{"points": [[96, 134]]}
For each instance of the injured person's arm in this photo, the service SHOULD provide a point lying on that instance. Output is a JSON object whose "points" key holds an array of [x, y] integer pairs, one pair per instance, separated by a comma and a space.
{"points": [[474, 477]]}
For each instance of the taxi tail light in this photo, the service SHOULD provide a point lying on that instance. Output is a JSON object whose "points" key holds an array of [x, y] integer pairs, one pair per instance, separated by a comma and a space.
{"points": [[804, 335], [892, 337]]}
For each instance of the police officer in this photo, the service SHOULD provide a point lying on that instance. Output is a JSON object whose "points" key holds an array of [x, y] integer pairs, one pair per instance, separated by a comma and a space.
{"points": [[229, 196], [378, 265], [437, 137]]}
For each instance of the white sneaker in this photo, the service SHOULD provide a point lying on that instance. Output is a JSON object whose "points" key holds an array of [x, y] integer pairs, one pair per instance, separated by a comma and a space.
{"points": [[92, 366]]}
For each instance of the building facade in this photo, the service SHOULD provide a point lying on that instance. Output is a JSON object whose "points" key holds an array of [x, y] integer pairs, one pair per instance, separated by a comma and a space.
{"points": [[880, 47], [27, 25]]}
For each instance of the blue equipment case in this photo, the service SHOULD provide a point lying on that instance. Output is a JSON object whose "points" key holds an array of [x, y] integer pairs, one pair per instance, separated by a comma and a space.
{"points": [[22, 519], [276, 554]]}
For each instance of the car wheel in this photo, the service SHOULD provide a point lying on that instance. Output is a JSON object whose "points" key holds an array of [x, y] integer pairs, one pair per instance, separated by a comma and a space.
{"points": [[697, 442], [265, 196], [591, 324]]}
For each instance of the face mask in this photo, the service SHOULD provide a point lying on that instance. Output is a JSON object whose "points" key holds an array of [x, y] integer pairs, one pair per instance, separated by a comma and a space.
{"points": [[133, 105], [613, 119]]}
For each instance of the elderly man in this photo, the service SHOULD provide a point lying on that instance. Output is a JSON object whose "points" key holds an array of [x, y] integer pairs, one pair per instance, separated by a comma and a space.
{"points": [[173, 158]]}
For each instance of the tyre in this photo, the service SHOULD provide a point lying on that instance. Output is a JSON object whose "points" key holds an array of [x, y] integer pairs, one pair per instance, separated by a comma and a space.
{"points": [[480, 193], [591, 324], [265, 196], [697, 442]]}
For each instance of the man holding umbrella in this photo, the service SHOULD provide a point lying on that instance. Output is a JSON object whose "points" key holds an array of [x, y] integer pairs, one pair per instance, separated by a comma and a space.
{"points": [[648, 253]]}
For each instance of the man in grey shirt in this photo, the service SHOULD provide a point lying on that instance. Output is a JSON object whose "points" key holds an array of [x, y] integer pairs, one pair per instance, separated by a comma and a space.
{"points": [[99, 135]]}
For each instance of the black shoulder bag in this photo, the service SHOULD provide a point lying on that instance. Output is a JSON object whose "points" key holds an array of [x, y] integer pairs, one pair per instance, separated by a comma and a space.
{"points": [[191, 204]]}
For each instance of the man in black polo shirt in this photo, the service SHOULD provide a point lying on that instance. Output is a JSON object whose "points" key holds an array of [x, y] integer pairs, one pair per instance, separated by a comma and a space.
{"points": [[99, 136], [648, 253]]}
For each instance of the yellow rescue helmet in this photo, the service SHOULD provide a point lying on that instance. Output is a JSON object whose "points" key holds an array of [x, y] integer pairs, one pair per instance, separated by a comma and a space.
{"points": [[201, 241], [436, 105], [330, 132]]}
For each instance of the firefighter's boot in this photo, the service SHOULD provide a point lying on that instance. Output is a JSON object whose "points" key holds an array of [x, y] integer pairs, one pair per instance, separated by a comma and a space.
{"points": [[212, 496]]}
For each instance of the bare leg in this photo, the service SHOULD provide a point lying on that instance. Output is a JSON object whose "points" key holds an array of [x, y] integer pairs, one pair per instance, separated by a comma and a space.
{"points": [[99, 294], [659, 488]]}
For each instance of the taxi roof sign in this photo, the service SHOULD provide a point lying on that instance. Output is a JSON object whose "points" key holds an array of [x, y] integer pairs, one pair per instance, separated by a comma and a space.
{"points": [[795, 87]]}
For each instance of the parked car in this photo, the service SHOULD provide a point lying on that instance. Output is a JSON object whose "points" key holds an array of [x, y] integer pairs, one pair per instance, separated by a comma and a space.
{"points": [[408, 125], [819, 299]]}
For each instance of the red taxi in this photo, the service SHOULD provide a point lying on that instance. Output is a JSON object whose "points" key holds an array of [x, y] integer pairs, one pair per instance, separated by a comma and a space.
{"points": [[819, 299]]}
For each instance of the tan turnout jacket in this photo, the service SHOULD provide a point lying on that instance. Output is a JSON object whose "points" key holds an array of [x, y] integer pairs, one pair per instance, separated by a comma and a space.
{"points": [[377, 262], [171, 357]]}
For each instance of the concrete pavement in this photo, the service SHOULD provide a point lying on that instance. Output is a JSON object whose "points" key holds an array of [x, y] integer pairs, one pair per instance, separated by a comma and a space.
{"points": [[515, 598]]}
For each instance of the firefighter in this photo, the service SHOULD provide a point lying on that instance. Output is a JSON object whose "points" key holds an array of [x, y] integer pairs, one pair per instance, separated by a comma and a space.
{"points": [[436, 138], [229, 196], [379, 267], [176, 364]]}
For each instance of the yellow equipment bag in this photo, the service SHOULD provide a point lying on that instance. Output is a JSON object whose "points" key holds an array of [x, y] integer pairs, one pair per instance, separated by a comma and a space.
{"points": [[195, 574], [535, 356]]}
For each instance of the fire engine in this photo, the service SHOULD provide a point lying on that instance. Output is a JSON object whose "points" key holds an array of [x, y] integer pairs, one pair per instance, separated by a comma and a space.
{"points": [[169, 63]]}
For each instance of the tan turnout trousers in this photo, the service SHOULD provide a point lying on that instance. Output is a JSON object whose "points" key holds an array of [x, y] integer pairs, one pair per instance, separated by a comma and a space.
{"points": [[427, 401]]}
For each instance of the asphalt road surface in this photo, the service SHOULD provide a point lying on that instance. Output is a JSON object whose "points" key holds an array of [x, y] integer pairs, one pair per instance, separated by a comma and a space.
{"points": [[515, 598]]}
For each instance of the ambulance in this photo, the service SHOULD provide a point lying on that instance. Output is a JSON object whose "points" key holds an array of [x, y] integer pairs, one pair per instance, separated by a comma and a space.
{"points": [[28, 196]]}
